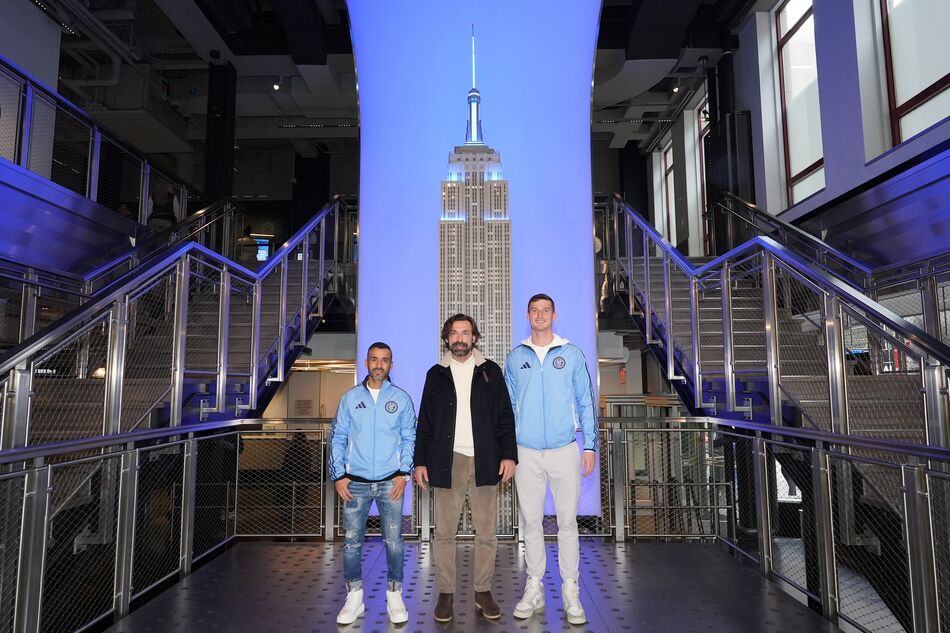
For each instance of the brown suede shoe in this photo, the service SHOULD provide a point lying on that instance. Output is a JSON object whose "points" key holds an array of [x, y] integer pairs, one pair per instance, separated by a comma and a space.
{"points": [[487, 605], [443, 609]]}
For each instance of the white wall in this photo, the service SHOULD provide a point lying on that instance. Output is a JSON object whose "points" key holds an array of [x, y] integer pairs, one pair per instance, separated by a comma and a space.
{"points": [[30, 39]]}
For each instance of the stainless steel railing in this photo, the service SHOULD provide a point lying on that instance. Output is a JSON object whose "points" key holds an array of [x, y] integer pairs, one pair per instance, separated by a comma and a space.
{"points": [[762, 325], [189, 315], [918, 290], [43, 132], [153, 502]]}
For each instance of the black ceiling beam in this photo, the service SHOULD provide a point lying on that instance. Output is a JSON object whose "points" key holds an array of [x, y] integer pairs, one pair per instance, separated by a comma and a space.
{"points": [[305, 29], [659, 28]]}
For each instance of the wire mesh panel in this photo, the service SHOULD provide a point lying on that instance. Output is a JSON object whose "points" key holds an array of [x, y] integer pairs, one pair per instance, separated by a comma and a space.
{"points": [[280, 484], [10, 93], [68, 387], [681, 311], [939, 485], [149, 349], [270, 314], [120, 179], [59, 146], [11, 504], [156, 551], [671, 491], [902, 299], [314, 268], [943, 307], [748, 317], [201, 347], [240, 310], [215, 491], [802, 348], [870, 552], [295, 285], [883, 382], [79, 571], [737, 474], [793, 522], [709, 288], [11, 294]]}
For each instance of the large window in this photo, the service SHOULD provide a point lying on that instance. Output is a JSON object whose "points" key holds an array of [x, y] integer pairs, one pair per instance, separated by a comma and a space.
{"points": [[917, 60], [668, 189], [798, 86]]}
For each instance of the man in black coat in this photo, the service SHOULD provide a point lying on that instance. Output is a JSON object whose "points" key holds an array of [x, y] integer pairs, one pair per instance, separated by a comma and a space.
{"points": [[465, 444]]}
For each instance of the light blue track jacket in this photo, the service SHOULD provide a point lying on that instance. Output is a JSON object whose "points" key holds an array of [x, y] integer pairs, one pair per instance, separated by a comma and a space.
{"points": [[551, 400], [373, 439]]}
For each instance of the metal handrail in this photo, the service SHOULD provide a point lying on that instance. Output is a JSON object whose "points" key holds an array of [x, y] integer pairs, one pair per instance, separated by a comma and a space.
{"points": [[821, 277], [139, 276]]}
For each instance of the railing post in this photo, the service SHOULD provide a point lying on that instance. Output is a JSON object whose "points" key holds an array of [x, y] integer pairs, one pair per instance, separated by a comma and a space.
{"points": [[647, 300], [824, 518], [125, 534], [304, 290], [928, 302], [770, 311], [921, 563], [837, 382], [92, 176], [425, 513], [762, 507], [631, 290], [28, 303], [179, 338], [323, 269], [189, 482], [16, 418], [115, 367], [936, 403], [32, 558], [255, 345], [282, 322], [26, 127], [224, 331], [728, 361], [144, 193], [619, 482], [695, 333], [668, 316]]}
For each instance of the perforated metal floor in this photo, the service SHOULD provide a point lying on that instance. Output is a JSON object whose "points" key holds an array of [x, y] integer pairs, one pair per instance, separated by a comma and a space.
{"points": [[642, 587]]}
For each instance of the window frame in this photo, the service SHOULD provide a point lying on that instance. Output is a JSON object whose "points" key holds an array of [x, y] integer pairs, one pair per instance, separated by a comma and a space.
{"points": [[668, 168], [900, 110], [791, 179], [702, 131]]}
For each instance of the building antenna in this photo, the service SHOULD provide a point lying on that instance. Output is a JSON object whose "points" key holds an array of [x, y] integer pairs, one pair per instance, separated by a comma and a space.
{"points": [[473, 56]]}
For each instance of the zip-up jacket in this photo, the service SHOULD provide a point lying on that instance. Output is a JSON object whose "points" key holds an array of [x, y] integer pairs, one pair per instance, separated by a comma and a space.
{"points": [[552, 399], [370, 439], [493, 425]]}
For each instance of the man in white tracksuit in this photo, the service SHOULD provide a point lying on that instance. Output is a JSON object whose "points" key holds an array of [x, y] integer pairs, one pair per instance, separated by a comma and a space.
{"points": [[551, 395]]}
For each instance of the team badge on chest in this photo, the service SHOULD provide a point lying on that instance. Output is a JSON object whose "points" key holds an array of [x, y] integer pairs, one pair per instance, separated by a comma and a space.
{"points": [[391, 406], [559, 362]]}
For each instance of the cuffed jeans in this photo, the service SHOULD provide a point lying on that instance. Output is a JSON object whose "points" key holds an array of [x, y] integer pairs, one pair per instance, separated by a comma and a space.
{"points": [[355, 512], [559, 467], [448, 509]]}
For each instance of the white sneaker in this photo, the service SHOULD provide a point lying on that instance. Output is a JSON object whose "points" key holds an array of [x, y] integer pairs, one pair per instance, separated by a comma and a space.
{"points": [[571, 595], [352, 609], [533, 600], [396, 608]]}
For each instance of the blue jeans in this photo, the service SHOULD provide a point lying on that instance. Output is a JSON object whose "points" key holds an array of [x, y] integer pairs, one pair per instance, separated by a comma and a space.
{"points": [[355, 512]]}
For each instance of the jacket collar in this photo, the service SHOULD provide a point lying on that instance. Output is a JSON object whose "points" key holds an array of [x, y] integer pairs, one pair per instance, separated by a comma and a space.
{"points": [[557, 342], [447, 359]]}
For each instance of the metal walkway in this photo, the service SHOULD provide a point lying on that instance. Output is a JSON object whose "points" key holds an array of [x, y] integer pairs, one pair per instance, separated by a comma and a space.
{"points": [[642, 587]]}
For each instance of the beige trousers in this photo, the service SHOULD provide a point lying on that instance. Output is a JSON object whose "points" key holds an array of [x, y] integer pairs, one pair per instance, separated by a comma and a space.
{"points": [[448, 512]]}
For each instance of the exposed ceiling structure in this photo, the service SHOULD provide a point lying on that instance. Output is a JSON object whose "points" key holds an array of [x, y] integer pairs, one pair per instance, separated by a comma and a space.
{"points": [[141, 67]]}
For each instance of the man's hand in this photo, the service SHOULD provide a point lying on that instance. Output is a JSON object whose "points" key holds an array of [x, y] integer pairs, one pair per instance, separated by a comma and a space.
{"points": [[421, 475], [506, 469], [399, 486], [587, 462], [343, 488]]}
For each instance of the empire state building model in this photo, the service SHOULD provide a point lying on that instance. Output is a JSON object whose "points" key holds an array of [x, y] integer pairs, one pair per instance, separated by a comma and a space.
{"points": [[475, 237]]}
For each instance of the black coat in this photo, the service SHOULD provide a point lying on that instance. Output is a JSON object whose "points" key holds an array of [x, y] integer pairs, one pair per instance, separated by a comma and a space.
{"points": [[493, 424]]}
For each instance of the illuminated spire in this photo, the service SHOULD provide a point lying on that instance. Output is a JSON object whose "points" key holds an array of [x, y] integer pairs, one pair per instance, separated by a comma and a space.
{"points": [[473, 135]]}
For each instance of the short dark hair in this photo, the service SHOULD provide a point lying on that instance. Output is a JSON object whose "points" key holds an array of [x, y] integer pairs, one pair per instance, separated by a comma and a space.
{"points": [[541, 297], [447, 327], [379, 345]]}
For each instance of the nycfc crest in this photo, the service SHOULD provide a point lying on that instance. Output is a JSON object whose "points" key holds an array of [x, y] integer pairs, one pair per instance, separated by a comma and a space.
{"points": [[559, 362], [391, 406]]}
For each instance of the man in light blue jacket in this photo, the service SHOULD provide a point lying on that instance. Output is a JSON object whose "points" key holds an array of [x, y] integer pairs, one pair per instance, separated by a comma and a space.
{"points": [[371, 447], [552, 397]]}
